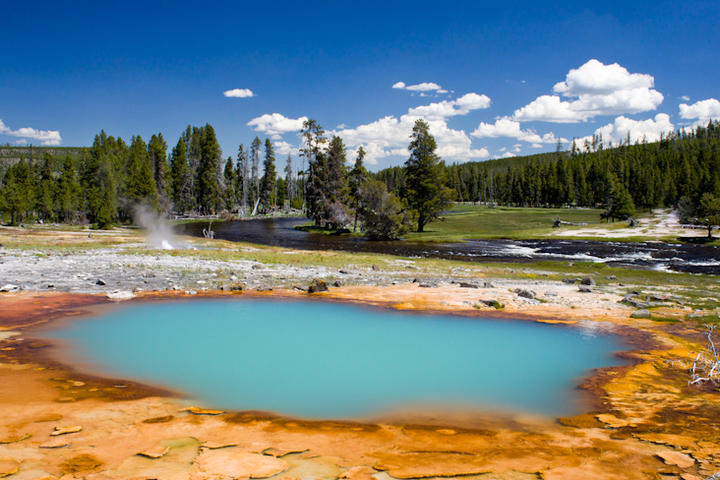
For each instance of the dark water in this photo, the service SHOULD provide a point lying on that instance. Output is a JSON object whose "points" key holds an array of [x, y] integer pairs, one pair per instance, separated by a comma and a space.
{"points": [[328, 360], [650, 255]]}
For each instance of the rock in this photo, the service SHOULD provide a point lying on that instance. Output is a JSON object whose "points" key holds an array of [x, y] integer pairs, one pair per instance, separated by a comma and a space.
{"points": [[570, 280], [154, 453], [8, 466], [640, 314], [256, 267], [55, 443], [263, 289], [492, 303], [585, 290], [120, 295], [100, 282], [238, 287], [428, 285], [551, 294], [375, 268], [343, 272], [587, 281], [488, 285], [521, 292], [337, 284], [467, 285], [299, 289], [202, 411], [228, 463], [10, 288], [14, 438], [65, 430], [676, 458], [610, 277], [317, 285]]}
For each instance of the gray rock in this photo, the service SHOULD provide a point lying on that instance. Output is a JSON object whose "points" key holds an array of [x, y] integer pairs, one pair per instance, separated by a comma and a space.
{"points": [[587, 281], [551, 294], [640, 314], [570, 280], [492, 303], [337, 283], [100, 282], [317, 285], [238, 287], [585, 290], [521, 292], [467, 285], [428, 285], [488, 285], [10, 288], [610, 277]]}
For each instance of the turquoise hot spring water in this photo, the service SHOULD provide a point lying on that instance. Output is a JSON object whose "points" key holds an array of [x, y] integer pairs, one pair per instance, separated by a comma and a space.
{"points": [[317, 359]]}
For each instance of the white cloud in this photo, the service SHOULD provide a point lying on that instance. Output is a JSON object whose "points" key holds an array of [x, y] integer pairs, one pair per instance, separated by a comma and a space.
{"points": [[508, 155], [702, 111], [593, 89], [275, 124], [390, 135], [239, 93], [639, 130], [45, 137], [450, 108], [420, 87], [283, 148], [685, 97], [506, 127]]}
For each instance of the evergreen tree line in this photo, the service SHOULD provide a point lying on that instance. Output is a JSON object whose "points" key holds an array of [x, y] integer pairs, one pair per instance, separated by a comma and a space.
{"points": [[337, 197], [105, 184], [675, 171]]}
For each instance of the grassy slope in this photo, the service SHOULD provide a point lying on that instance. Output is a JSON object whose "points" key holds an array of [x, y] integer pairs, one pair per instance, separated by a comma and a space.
{"points": [[468, 221]]}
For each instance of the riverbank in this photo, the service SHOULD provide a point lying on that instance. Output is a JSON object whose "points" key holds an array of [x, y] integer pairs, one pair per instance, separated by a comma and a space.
{"points": [[648, 423]]}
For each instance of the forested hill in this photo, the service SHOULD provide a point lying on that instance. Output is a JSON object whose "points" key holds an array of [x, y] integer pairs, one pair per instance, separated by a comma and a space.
{"points": [[683, 164]]}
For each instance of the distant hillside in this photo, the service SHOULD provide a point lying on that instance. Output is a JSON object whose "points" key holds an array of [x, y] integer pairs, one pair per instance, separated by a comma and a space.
{"points": [[10, 155]]}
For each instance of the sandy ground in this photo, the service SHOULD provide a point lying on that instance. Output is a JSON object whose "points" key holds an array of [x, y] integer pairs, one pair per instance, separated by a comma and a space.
{"points": [[646, 421], [662, 224]]}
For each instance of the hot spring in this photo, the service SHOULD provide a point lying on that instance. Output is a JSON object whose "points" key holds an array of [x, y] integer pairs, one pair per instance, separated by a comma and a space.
{"points": [[327, 360]]}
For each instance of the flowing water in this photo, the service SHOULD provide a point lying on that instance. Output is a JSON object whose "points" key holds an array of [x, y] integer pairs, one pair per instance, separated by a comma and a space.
{"points": [[318, 359], [651, 255]]}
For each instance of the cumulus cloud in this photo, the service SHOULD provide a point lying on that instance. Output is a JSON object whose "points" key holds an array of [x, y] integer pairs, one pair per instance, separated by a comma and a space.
{"points": [[45, 137], [239, 93], [638, 130], [508, 155], [390, 135], [284, 148], [591, 90], [450, 108], [275, 124], [420, 87], [506, 127], [685, 97], [702, 111]]}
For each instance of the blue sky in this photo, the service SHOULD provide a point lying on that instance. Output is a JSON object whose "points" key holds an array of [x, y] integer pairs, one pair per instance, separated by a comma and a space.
{"points": [[493, 79]]}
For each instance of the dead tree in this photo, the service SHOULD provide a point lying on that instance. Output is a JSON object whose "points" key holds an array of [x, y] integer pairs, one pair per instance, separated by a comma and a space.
{"points": [[706, 367]]}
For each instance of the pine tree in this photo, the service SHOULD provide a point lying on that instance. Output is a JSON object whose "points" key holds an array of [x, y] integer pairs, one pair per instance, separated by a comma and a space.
{"points": [[98, 182], [208, 187], [157, 151], [267, 184], [140, 187], [66, 192], [229, 175], [289, 181], [425, 190], [254, 173], [314, 182], [45, 195], [241, 178], [356, 179], [17, 192], [181, 179]]}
